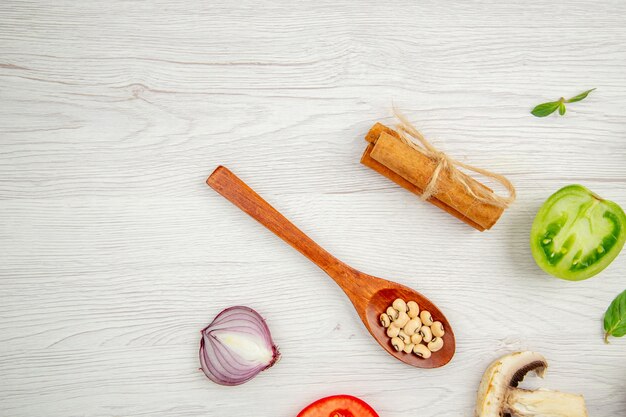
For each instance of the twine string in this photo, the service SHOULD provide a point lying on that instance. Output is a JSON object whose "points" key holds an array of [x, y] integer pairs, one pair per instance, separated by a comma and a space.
{"points": [[410, 136]]}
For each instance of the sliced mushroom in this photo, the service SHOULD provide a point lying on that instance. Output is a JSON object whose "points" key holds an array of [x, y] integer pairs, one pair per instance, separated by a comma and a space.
{"points": [[498, 394], [524, 403]]}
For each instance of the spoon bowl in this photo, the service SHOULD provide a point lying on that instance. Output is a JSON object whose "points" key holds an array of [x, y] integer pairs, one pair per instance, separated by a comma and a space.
{"points": [[370, 295], [382, 299]]}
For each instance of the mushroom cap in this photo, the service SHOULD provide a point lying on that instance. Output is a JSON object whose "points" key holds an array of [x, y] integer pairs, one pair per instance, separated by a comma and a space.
{"points": [[503, 373]]}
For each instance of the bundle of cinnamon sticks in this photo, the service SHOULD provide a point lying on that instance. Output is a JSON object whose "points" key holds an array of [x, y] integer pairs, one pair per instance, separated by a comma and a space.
{"points": [[389, 154]]}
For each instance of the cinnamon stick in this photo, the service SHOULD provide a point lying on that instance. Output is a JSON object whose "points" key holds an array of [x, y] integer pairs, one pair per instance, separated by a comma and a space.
{"points": [[368, 161], [412, 170]]}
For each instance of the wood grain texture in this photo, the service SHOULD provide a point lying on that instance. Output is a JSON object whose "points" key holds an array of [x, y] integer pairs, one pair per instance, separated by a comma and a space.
{"points": [[114, 253]]}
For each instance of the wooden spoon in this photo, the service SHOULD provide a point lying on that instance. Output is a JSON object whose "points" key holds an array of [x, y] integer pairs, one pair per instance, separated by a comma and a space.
{"points": [[370, 295]]}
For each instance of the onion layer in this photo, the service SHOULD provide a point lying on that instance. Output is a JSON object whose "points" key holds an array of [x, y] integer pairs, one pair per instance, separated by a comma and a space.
{"points": [[236, 346]]}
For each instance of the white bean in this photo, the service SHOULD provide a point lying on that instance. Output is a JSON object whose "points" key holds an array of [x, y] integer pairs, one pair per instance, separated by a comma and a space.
{"points": [[437, 329], [426, 317], [435, 344], [393, 331], [397, 344], [399, 305], [413, 308], [421, 351], [427, 335]]}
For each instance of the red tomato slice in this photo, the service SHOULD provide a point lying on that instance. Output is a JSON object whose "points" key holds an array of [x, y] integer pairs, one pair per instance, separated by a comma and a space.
{"points": [[338, 406]]}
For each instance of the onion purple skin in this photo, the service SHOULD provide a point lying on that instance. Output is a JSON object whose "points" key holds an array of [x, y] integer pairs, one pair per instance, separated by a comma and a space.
{"points": [[223, 366]]}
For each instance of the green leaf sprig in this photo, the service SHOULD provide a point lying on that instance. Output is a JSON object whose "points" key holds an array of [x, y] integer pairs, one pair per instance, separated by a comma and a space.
{"points": [[615, 318], [545, 109]]}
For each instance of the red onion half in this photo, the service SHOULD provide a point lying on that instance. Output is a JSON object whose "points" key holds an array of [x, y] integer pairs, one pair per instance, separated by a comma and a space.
{"points": [[236, 346]]}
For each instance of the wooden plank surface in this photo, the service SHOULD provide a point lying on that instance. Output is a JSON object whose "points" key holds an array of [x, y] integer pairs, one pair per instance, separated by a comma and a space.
{"points": [[114, 253]]}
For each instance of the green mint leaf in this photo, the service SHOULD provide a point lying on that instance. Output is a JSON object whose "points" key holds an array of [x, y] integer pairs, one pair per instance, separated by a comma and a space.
{"points": [[545, 109], [579, 97], [615, 318], [561, 109]]}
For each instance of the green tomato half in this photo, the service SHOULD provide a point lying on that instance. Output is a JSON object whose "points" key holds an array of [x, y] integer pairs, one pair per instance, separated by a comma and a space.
{"points": [[576, 234]]}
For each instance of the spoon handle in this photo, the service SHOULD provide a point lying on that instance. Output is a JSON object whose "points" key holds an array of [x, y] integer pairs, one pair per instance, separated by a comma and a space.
{"points": [[240, 194]]}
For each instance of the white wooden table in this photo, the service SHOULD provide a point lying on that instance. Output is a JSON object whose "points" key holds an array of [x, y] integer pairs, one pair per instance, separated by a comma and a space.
{"points": [[114, 253]]}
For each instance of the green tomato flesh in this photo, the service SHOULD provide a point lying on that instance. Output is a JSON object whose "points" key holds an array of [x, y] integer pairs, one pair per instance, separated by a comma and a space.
{"points": [[577, 234]]}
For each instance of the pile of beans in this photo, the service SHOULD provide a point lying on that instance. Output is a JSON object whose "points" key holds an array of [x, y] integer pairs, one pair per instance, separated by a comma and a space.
{"points": [[412, 330]]}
